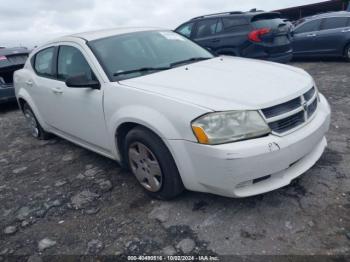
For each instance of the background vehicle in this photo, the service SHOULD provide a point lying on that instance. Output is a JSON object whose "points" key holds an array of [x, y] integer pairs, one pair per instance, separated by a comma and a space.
{"points": [[258, 34], [11, 59], [323, 35]]}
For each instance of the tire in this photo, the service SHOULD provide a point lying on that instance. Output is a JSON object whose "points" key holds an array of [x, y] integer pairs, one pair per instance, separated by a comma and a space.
{"points": [[143, 150], [36, 130], [347, 53]]}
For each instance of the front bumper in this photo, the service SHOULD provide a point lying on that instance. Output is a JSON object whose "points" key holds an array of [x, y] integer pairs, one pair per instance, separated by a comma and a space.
{"points": [[7, 94], [255, 166]]}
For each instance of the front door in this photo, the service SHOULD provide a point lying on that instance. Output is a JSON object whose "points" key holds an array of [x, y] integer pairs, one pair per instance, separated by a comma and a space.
{"points": [[333, 35], [304, 40], [77, 112]]}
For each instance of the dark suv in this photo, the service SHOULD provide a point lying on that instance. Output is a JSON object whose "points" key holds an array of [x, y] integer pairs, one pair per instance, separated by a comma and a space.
{"points": [[323, 35], [260, 35]]}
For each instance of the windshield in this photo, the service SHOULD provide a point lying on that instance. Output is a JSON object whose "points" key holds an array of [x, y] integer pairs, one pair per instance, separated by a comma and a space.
{"points": [[136, 54]]}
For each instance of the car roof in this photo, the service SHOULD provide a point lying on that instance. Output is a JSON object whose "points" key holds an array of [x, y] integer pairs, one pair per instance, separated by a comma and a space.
{"points": [[248, 14], [329, 14], [98, 34]]}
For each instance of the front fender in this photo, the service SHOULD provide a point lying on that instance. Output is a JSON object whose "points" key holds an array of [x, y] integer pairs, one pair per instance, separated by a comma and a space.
{"points": [[147, 117]]}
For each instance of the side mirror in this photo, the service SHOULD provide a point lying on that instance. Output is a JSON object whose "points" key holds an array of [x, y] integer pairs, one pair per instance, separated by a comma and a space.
{"points": [[81, 81]]}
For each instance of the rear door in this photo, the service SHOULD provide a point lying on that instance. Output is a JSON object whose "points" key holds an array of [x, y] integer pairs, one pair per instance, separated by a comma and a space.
{"points": [[304, 39], [332, 37], [207, 33], [42, 80]]}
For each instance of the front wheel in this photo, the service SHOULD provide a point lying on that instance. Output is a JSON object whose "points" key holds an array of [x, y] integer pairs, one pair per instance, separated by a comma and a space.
{"points": [[35, 128], [347, 53], [152, 164]]}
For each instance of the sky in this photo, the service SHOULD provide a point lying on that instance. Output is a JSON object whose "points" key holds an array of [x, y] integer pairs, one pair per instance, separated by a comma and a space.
{"points": [[32, 22]]}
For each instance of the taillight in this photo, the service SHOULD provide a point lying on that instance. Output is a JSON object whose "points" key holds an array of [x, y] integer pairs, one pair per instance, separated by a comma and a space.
{"points": [[256, 34], [3, 58]]}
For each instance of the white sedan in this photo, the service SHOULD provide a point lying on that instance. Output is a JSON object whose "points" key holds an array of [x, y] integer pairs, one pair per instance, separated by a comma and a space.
{"points": [[173, 113]]}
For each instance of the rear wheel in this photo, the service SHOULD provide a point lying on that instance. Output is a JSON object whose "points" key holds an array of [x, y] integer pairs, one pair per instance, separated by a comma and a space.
{"points": [[35, 128], [152, 164]]}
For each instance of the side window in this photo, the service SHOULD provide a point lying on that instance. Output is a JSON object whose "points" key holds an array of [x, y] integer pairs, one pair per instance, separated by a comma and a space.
{"points": [[71, 62], [209, 27], [186, 29], [334, 22], [219, 27], [43, 63], [309, 27]]}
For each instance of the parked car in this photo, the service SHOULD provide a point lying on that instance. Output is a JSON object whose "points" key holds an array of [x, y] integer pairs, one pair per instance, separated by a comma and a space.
{"points": [[11, 59], [173, 113], [260, 35], [323, 35]]}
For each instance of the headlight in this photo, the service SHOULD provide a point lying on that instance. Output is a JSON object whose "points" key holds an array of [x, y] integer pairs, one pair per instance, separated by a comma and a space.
{"points": [[231, 126]]}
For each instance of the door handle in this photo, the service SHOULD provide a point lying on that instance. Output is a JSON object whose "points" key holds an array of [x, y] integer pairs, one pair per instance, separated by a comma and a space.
{"points": [[57, 90], [311, 35], [29, 83], [345, 31], [215, 40]]}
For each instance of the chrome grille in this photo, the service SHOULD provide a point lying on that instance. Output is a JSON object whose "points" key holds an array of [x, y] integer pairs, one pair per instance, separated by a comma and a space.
{"points": [[310, 94], [283, 125], [282, 108], [312, 108], [288, 116]]}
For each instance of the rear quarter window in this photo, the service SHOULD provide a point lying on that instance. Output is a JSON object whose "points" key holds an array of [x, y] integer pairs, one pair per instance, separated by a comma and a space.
{"points": [[43, 62], [232, 22], [235, 24], [268, 23]]}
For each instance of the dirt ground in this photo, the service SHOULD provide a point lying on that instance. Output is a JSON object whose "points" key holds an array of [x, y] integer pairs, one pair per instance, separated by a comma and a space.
{"points": [[58, 198]]}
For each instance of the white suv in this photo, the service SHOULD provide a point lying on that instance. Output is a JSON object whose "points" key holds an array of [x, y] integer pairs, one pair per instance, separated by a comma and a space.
{"points": [[173, 113]]}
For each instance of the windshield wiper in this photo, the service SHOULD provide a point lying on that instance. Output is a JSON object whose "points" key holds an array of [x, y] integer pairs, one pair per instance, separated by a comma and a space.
{"points": [[147, 69], [143, 69], [193, 59]]}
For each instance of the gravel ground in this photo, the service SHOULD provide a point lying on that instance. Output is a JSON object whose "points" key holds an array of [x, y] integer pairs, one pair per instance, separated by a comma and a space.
{"points": [[58, 198]]}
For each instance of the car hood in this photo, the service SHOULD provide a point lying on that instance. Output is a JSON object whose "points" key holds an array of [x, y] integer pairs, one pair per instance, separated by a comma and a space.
{"points": [[227, 83]]}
